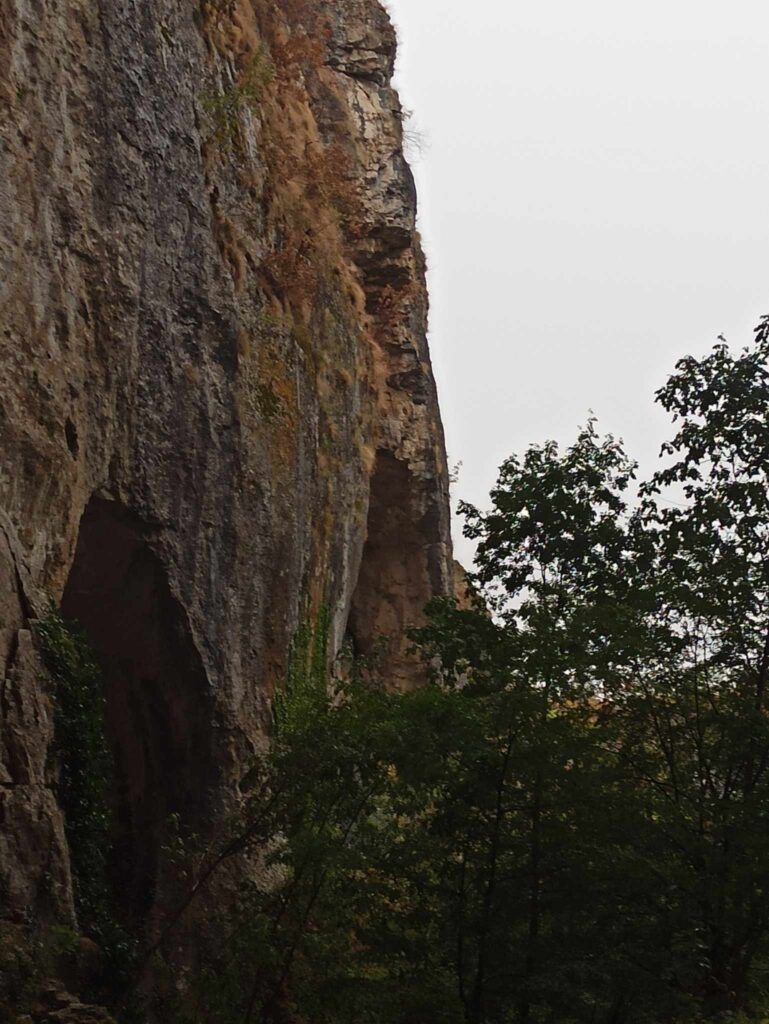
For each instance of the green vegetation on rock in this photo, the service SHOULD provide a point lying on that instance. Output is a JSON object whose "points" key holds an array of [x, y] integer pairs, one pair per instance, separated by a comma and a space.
{"points": [[85, 779], [85, 762]]}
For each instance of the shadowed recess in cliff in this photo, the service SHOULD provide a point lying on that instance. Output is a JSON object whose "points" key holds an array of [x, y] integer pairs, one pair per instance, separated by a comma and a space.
{"points": [[396, 571], [160, 719]]}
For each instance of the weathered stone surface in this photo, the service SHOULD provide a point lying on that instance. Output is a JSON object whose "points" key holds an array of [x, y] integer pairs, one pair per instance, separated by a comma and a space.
{"points": [[218, 411], [36, 886], [58, 1006], [464, 591]]}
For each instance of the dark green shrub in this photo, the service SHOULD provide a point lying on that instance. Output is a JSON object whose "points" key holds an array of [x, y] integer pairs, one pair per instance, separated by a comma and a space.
{"points": [[86, 771], [85, 763]]}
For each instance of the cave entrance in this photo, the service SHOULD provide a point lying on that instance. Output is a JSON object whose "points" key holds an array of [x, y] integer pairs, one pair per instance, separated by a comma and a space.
{"points": [[159, 713], [394, 580]]}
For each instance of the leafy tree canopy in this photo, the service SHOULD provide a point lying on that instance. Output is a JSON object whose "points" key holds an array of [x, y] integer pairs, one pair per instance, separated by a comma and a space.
{"points": [[571, 822]]}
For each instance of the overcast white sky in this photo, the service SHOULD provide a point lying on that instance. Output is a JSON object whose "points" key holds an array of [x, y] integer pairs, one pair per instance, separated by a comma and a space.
{"points": [[594, 200]]}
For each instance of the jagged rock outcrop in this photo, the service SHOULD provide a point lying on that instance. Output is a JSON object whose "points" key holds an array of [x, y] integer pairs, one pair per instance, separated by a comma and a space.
{"points": [[57, 1006], [218, 411]]}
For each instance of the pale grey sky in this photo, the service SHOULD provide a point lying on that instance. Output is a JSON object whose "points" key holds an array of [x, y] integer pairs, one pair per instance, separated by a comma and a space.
{"points": [[594, 199]]}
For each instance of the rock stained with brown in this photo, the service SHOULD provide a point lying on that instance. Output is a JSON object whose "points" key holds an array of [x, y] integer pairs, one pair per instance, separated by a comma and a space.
{"points": [[218, 411]]}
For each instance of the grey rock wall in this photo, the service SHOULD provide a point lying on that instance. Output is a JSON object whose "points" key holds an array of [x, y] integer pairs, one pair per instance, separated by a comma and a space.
{"points": [[217, 409]]}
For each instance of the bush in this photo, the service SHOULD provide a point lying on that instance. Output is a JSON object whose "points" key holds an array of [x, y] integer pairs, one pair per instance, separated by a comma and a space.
{"points": [[86, 773]]}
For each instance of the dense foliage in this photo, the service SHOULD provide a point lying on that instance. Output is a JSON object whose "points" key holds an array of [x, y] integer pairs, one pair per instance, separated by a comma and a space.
{"points": [[569, 824], [85, 762], [572, 822], [85, 777]]}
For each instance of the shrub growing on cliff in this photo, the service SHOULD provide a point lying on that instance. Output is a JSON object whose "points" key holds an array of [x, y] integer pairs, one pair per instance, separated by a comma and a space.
{"points": [[85, 761], [86, 772], [238, 99]]}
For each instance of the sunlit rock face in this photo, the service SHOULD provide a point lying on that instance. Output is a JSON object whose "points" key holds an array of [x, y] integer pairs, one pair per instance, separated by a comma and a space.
{"points": [[218, 412]]}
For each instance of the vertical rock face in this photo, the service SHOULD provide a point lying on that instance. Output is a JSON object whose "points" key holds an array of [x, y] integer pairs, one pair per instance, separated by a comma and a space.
{"points": [[218, 412]]}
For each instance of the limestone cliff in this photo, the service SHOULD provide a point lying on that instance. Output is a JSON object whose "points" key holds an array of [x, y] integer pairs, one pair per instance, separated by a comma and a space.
{"points": [[218, 411]]}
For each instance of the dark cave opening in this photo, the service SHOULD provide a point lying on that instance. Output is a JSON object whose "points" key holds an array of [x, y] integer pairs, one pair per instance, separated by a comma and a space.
{"points": [[392, 582], [159, 709]]}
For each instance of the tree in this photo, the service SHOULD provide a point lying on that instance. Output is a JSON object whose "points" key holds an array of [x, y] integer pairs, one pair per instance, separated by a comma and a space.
{"points": [[644, 634], [571, 822], [696, 712], [552, 561]]}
